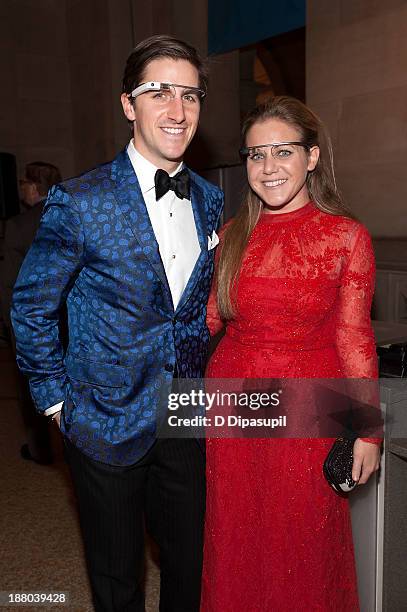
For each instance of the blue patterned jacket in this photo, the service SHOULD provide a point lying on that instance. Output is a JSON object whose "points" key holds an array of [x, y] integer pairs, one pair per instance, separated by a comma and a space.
{"points": [[96, 251]]}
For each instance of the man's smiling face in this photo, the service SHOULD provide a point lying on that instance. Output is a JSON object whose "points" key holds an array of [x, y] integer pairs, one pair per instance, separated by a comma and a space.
{"points": [[162, 133]]}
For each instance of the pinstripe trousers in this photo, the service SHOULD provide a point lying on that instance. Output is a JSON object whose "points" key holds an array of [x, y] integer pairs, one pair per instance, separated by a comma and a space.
{"points": [[164, 492]]}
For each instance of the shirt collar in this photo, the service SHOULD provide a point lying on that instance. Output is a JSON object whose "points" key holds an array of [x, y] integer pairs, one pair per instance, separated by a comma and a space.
{"points": [[144, 169]]}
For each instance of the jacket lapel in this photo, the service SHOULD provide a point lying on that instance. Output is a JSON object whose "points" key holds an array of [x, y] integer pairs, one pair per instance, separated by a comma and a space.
{"points": [[198, 207], [132, 205], [131, 202]]}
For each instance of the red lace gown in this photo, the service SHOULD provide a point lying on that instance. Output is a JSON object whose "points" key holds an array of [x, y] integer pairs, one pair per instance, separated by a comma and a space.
{"points": [[277, 537]]}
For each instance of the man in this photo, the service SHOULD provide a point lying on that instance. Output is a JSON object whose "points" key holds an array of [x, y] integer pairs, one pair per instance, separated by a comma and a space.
{"points": [[130, 250], [39, 177]]}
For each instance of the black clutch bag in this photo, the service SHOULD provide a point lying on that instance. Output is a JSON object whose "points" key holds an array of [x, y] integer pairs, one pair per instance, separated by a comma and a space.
{"points": [[338, 464]]}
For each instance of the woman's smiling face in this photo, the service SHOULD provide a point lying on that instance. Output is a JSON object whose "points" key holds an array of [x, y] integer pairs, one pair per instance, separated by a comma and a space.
{"points": [[278, 174]]}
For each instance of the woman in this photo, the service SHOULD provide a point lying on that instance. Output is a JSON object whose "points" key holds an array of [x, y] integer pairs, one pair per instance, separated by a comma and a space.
{"points": [[294, 283]]}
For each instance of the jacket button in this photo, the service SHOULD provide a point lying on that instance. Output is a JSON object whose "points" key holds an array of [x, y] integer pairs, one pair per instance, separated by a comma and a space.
{"points": [[169, 367]]}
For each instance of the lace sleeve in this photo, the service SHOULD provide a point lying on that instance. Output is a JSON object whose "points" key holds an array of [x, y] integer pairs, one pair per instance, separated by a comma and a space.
{"points": [[354, 334]]}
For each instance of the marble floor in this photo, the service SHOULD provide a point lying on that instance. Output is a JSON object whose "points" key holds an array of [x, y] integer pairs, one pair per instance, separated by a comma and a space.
{"points": [[40, 541]]}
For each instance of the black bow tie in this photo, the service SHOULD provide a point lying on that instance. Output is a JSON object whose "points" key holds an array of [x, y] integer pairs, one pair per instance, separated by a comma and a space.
{"points": [[178, 183]]}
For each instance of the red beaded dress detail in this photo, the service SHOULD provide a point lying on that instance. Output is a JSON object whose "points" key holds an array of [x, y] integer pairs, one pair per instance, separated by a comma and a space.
{"points": [[277, 537]]}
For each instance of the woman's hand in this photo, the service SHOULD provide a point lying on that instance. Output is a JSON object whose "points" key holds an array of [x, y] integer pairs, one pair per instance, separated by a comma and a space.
{"points": [[366, 460]]}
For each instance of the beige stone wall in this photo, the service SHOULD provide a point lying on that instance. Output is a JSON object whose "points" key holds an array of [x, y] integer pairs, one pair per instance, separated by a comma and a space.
{"points": [[357, 82], [35, 100], [217, 140], [91, 81], [62, 62]]}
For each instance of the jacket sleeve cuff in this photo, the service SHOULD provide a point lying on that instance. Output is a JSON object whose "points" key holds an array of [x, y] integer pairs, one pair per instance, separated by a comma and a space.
{"points": [[48, 393]]}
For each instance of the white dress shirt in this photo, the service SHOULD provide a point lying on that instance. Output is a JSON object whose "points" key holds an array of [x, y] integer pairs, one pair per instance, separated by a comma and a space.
{"points": [[174, 227], [173, 224]]}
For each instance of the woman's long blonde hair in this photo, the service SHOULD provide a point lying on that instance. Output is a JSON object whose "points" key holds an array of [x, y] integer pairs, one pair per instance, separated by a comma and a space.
{"points": [[320, 183]]}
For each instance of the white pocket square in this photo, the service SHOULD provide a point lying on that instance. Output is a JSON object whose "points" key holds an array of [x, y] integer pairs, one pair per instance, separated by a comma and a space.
{"points": [[213, 241]]}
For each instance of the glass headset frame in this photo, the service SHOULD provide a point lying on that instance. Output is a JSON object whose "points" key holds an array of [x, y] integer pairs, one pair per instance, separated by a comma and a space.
{"points": [[158, 86], [245, 151]]}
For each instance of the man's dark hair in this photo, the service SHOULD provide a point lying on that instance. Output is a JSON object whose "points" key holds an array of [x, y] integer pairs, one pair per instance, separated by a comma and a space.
{"points": [[157, 47], [44, 175]]}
